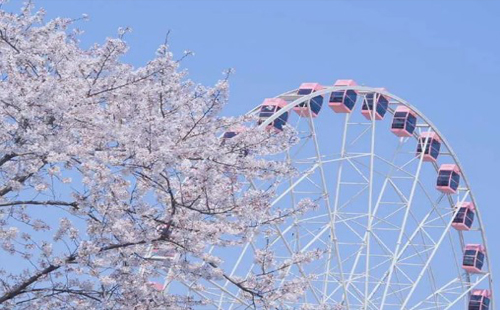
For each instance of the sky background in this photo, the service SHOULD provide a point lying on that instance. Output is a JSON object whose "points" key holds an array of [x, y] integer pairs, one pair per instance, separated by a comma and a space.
{"points": [[441, 56]]}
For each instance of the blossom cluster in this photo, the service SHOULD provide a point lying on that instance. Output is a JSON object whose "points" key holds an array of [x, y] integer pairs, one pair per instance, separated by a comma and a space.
{"points": [[101, 162]]}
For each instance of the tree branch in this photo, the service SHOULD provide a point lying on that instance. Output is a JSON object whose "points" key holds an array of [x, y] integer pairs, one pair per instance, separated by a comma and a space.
{"points": [[44, 203]]}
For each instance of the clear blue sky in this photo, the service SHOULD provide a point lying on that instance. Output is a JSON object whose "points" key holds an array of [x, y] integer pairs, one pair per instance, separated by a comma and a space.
{"points": [[442, 56]]}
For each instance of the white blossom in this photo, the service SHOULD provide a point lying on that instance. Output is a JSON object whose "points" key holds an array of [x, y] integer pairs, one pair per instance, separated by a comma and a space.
{"points": [[143, 167]]}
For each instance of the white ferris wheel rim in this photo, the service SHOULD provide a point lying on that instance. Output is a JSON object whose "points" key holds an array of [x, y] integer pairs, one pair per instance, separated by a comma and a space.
{"points": [[400, 101], [394, 100]]}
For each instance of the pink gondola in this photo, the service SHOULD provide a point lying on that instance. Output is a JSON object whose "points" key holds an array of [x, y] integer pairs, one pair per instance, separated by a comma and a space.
{"points": [[479, 300], [343, 101], [310, 107], [268, 108], [432, 144], [158, 253], [448, 178], [473, 258], [404, 122], [157, 286], [233, 131], [380, 108], [465, 216]]}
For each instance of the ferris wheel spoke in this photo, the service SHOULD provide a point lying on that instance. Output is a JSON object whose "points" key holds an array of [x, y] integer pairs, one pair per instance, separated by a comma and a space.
{"points": [[402, 232], [429, 260], [235, 267], [351, 163], [409, 203], [443, 218], [190, 289], [277, 200], [302, 146], [293, 199], [229, 293], [437, 294], [344, 260], [357, 297], [410, 244], [331, 214], [401, 168], [299, 266], [370, 202], [403, 249], [292, 187], [352, 198], [362, 134], [359, 252]]}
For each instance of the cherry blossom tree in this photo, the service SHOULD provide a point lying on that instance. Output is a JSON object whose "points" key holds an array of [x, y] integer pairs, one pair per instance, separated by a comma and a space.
{"points": [[102, 163]]}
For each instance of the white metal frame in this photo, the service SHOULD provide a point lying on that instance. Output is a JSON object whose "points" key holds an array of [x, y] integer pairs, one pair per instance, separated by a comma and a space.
{"points": [[361, 288]]}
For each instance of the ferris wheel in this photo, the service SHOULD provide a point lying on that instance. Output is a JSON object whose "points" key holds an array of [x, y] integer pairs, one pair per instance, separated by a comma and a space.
{"points": [[396, 226]]}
